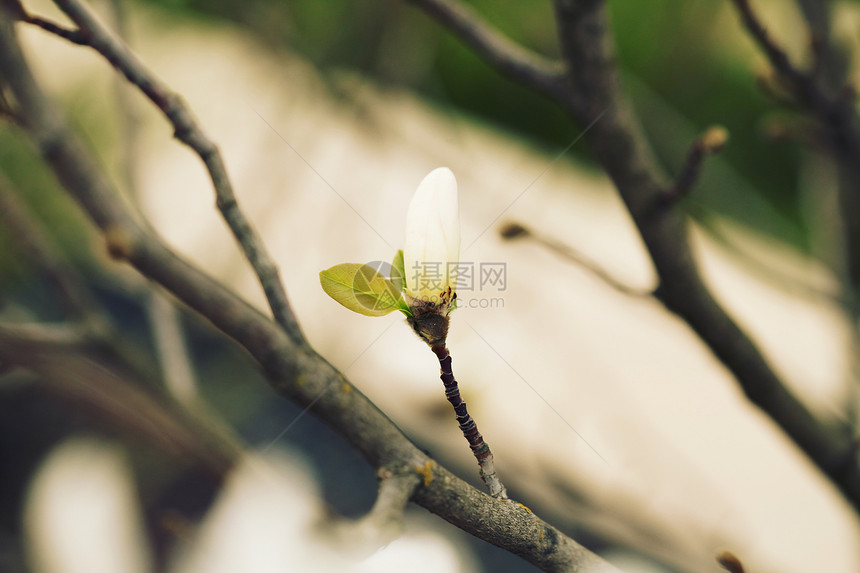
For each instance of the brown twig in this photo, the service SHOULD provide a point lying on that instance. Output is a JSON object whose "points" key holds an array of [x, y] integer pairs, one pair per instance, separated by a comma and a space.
{"points": [[480, 448], [384, 522], [32, 240], [710, 142], [730, 562], [168, 336], [70, 34], [774, 52], [836, 114], [826, 97], [54, 354], [516, 230], [509, 58], [186, 130], [292, 367]]}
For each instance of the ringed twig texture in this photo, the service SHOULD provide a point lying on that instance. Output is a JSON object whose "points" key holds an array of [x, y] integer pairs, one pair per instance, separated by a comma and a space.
{"points": [[479, 447]]}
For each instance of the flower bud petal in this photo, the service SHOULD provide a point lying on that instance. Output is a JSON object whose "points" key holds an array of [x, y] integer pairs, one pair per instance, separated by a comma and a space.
{"points": [[432, 248]]}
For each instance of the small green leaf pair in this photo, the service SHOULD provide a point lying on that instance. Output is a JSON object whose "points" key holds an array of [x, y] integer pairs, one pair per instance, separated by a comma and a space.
{"points": [[364, 290]]}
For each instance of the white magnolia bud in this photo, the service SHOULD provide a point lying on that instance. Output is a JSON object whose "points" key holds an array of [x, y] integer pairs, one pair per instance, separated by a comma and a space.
{"points": [[432, 248]]}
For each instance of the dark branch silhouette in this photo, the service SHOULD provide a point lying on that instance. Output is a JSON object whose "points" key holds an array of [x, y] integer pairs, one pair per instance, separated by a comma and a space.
{"points": [[592, 89]]}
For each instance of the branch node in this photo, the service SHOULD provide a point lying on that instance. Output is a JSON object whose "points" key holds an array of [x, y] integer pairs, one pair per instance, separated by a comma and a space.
{"points": [[499, 51], [710, 142], [426, 472], [730, 562], [512, 230], [120, 243]]}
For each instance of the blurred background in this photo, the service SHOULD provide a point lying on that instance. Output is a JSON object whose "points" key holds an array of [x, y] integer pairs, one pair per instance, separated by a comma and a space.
{"points": [[606, 414]]}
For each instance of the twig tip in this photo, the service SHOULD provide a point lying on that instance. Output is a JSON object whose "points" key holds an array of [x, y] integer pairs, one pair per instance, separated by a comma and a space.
{"points": [[513, 230], [730, 562], [715, 138]]}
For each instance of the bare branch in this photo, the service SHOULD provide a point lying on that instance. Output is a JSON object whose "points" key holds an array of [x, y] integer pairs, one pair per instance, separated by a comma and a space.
{"points": [[284, 358], [515, 231], [73, 36], [710, 142], [498, 50], [619, 145], [188, 132], [177, 370], [45, 335], [384, 523], [826, 97], [774, 52], [33, 241], [53, 353], [730, 562]]}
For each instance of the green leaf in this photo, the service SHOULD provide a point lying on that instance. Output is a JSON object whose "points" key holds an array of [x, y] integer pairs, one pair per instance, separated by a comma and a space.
{"points": [[398, 273], [361, 289]]}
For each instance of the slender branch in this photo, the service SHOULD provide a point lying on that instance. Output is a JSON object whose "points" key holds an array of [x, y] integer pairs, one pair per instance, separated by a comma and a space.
{"points": [[708, 143], [516, 230], [509, 58], [774, 52], [619, 145], [74, 36], [53, 352], [479, 447], [838, 116], [32, 239], [292, 367], [384, 522], [730, 562], [177, 370], [70, 288], [45, 335], [189, 132]]}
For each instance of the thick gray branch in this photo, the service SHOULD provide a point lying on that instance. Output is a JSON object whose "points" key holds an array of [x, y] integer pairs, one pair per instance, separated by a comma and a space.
{"points": [[293, 368]]}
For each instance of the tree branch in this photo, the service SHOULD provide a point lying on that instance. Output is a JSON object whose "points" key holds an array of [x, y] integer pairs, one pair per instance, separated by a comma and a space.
{"points": [[836, 114], [515, 231], [31, 239], [708, 143], [73, 36], [730, 562], [384, 522], [284, 358], [186, 130], [168, 335], [53, 353], [511, 59], [620, 146]]}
